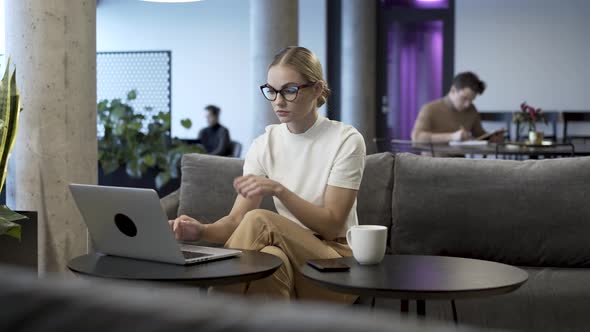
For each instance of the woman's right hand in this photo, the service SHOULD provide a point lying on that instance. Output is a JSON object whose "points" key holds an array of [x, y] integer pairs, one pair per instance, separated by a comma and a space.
{"points": [[186, 228]]}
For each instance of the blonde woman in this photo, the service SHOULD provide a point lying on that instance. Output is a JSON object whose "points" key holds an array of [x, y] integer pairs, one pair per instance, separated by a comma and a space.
{"points": [[310, 165]]}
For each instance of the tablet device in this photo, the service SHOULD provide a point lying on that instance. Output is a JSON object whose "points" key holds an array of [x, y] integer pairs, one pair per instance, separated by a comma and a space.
{"points": [[490, 134]]}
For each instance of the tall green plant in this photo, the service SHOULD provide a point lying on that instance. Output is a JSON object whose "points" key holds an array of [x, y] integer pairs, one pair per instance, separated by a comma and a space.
{"points": [[139, 141], [9, 111]]}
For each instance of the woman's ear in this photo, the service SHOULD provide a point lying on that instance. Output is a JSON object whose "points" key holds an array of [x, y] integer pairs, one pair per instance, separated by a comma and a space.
{"points": [[318, 89]]}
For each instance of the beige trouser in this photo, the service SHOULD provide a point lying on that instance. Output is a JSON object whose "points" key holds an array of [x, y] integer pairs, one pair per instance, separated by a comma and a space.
{"points": [[269, 232]]}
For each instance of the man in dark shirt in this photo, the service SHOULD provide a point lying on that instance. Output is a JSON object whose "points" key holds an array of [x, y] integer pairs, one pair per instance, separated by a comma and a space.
{"points": [[215, 137]]}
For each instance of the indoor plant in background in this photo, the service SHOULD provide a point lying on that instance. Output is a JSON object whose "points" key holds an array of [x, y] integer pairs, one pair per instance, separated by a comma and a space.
{"points": [[9, 111], [139, 143], [530, 115]]}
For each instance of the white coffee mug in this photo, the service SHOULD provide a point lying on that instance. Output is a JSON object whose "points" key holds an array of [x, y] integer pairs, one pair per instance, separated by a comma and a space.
{"points": [[368, 243]]}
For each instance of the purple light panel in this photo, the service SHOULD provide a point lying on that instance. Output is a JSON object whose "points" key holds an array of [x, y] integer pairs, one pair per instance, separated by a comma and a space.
{"points": [[438, 4], [414, 72]]}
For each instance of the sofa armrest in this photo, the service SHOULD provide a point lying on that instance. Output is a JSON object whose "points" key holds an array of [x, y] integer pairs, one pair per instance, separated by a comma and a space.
{"points": [[170, 204]]}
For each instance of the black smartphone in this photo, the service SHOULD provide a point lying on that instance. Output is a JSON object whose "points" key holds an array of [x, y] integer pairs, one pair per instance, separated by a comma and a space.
{"points": [[328, 265]]}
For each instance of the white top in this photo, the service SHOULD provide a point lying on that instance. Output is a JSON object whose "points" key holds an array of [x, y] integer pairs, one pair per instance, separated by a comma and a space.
{"points": [[328, 153]]}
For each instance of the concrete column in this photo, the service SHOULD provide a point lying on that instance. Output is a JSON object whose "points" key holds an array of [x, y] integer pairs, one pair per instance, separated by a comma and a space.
{"points": [[53, 46], [358, 67], [273, 26]]}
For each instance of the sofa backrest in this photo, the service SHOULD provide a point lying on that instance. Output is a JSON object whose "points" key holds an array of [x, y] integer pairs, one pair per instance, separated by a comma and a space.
{"points": [[530, 213], [207, 192]]}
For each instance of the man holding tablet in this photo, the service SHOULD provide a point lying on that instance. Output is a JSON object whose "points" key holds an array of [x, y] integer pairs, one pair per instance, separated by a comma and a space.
{"points": [[454, 117]]}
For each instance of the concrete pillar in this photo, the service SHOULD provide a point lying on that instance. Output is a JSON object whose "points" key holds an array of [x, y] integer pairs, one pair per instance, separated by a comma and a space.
{"points": [[53, 46], [358, 67], [273, 26]]}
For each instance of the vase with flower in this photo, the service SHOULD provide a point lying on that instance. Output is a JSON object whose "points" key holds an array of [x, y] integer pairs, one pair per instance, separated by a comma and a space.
{"points": [[530, 115]]}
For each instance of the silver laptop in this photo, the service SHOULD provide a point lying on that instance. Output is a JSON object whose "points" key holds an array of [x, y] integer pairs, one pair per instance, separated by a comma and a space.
{"points": [[130, 222]]}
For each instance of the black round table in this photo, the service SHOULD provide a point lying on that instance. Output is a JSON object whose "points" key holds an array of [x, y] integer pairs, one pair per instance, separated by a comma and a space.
{"points": [[507, 149], [420, 278], [249, 266]]}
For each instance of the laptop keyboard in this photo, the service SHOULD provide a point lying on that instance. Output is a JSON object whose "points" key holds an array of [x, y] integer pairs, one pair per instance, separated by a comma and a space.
{"points": [[192, 254]]}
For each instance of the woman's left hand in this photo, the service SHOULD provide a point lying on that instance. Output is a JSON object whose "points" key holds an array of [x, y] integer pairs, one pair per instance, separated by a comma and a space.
{"points": [[253, 185]]}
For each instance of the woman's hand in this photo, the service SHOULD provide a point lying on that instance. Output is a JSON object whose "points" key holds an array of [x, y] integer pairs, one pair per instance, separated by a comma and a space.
{"points": [[186, 228], [253, 185]]}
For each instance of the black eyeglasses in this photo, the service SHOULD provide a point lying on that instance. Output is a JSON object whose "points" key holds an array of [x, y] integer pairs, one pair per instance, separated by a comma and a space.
{"points": [[289, 93]]}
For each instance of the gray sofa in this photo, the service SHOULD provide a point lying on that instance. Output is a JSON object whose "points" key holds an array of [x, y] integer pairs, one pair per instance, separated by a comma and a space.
{"points": [[59, 304], [533, 214]]}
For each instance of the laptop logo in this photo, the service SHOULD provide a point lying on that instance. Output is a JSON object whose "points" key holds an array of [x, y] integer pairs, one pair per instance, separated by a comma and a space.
{"points": [[125, 225]]}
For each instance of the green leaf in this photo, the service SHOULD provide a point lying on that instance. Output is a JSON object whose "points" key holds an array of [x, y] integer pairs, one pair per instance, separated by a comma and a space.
{"points": [[15, 232], [119, 130], [149, 160], [7, 225], [102, 105], [174, 157], [115, 102], [136, 126], [10, 229], [109, 165], [161, 179], [132, 169], [6, 214], [186, 123], [9, 113], [138, 117], [118, 112], [132, 95], [174, 172], [165, 118]]}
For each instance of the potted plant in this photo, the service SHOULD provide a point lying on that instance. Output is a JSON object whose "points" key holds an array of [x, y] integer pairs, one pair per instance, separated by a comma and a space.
{"points": [[139, 144], [530, 116], [9, 112]]}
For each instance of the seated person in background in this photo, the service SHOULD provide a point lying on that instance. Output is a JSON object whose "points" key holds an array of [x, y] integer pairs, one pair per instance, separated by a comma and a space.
{"points": [[215, 138], [454, 117]]}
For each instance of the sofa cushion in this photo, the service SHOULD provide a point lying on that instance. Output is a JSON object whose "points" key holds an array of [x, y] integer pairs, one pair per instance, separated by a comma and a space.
{"points": [[530, 213], [206, 190], [374, 196]]}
